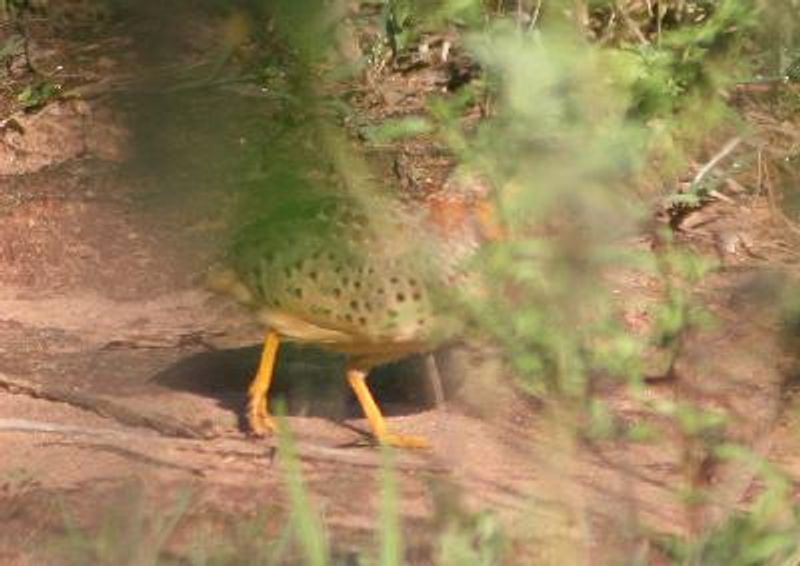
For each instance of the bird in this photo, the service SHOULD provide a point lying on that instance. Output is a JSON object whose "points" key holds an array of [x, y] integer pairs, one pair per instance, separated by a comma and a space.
{"points": [[373, 278]]}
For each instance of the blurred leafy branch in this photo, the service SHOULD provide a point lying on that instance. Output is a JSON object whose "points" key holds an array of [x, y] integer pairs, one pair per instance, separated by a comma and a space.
{"points": [[579, 120], [576, 120]]}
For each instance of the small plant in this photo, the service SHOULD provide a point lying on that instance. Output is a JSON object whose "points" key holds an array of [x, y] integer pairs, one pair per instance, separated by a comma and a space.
{"points": [[37, 95]]}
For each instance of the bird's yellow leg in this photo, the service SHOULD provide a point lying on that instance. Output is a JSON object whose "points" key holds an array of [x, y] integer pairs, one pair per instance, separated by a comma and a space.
{"points": [[258, 416], [358, 382]]}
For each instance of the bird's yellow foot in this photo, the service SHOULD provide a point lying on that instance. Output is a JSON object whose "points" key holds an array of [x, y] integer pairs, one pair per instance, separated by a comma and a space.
{"points": [[404, 441], [357, 379], [258, 418]]}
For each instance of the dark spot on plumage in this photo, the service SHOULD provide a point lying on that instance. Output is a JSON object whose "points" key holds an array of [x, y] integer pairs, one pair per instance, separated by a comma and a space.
{"points": [[400, 297], [412, 282], [368, 306], [394, 281], [297, 292], [362, 321], [354, 305], [348, 317], [420, 322], [357, 284], [381, 291], [337, 292], [417, 296], [313, 275]]}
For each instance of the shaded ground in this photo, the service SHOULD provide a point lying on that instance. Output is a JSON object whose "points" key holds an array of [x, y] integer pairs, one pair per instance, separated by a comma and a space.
{"points": [[116, 366]]}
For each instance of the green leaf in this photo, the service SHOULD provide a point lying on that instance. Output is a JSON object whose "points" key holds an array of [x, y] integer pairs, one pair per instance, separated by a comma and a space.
{"points": [[37, 95], [767, 546], [396, 129]]}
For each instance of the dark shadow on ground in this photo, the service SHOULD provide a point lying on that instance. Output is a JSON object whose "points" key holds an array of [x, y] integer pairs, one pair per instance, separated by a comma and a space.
{"points": [[309, 381]]}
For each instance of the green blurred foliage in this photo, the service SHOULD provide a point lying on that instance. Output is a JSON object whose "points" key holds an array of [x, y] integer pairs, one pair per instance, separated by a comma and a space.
{"points": [[574, 126], [568, 155]]}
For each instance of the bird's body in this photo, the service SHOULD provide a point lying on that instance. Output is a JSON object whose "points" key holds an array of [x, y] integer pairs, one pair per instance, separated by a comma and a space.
{"points": [[366, 278]]}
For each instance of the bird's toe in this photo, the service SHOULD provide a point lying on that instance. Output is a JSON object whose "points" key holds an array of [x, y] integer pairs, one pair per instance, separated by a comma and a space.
{"points": [[404, 441]]}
